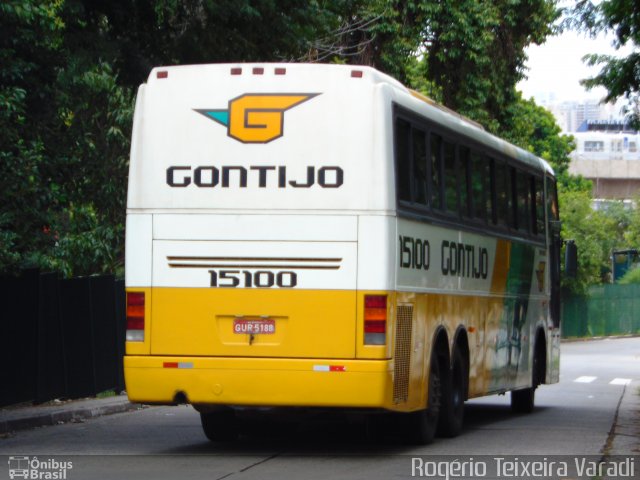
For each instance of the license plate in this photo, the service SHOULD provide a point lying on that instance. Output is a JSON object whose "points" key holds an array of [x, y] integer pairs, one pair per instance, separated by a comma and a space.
{"points": [[254, 326]]}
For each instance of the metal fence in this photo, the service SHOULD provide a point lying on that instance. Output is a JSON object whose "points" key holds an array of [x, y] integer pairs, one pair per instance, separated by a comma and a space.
{"points": [[60, 338], [607, 310]]}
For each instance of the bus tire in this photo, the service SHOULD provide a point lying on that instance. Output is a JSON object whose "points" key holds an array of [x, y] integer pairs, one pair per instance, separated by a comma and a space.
{"points": [[453, 397], [523, 400], [220, 425], [424, 423]]}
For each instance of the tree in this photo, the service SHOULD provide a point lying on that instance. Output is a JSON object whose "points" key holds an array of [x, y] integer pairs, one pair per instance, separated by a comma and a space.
{"points": [[620, 76], [70, 70], [67, 85], [468, 55], [591, 231], [534, 128], [136, 35], [30, 36], [475, 52], [384, 34]]}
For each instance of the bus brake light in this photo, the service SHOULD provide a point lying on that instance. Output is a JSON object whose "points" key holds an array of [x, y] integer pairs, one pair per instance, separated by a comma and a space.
{"points": [[375, 319], [135, 317]]}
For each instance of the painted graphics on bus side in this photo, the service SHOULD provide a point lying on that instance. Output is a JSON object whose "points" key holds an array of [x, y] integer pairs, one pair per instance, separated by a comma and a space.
{"points": [[430, 257]]}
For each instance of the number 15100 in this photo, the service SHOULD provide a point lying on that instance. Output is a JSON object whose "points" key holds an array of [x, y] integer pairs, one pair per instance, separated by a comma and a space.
{"points": [[247, 279]]}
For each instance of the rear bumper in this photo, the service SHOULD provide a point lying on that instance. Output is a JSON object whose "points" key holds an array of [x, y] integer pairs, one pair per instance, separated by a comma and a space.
{"points": [[260, 381]]}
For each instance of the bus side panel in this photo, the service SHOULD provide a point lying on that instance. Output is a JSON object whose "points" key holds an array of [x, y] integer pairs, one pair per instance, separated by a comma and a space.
{"points": [[493, 288]]}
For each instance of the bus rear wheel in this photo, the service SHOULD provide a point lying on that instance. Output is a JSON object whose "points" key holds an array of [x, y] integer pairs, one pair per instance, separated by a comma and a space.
{"points": [[453, 397], [523, 401], [220, 425], [423, 424]]}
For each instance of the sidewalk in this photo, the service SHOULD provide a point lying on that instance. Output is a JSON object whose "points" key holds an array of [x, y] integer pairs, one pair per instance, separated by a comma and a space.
{"points": [[625, 435], [23, 417]]}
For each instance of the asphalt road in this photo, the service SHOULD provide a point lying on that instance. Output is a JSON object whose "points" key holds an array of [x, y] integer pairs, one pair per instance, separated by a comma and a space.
{"points": [[573, 417]]}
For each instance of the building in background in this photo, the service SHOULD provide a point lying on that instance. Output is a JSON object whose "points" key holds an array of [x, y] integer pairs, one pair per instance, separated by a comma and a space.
{"points": [[608, 154], [572, 115]]}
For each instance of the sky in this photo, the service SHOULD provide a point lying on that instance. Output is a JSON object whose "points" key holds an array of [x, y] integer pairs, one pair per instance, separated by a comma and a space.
{"points": [[556, 67]]}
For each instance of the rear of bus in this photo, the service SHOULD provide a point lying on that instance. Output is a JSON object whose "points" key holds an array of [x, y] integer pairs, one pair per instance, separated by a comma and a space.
{"points": [[260, 232]]}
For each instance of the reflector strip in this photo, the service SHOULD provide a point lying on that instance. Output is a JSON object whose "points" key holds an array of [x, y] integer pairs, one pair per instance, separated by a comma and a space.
{"points": [[177, 365], [329, 368]]}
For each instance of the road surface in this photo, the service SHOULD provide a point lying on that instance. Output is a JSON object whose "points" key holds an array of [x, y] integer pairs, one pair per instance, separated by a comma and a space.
{"points": [[573, 417]]}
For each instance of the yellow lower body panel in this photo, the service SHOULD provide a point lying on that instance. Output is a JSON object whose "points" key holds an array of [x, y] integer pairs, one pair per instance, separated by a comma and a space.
{"points": [[260, 381]]}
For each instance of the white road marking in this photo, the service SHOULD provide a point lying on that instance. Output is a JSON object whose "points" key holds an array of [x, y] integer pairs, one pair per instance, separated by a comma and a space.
{"points": [[585, 379], [620, 381]]}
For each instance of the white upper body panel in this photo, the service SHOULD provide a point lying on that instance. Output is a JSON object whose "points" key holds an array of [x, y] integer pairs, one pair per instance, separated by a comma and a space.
{"points": [[308, 139]]}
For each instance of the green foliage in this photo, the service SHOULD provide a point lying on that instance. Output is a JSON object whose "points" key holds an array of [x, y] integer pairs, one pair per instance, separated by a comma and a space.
{"points": [[590, 231], [597, 235], [385, 34], [475, 52], [632, 276], [70, 69], [89, 244], [30, 35], [534, 128], [632, 233], [620, 76]]}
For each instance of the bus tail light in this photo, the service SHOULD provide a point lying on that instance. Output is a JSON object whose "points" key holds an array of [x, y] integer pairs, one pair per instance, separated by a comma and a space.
{"points": [[375, 319], [135, 316]]}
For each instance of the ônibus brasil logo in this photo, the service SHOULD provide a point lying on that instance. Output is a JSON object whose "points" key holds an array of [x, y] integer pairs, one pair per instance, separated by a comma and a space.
{"points": [[256, 117]]}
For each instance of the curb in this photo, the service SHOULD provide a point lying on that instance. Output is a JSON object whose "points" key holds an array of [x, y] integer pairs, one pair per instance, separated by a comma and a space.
{"points": [[625, 434], [65, 416]]}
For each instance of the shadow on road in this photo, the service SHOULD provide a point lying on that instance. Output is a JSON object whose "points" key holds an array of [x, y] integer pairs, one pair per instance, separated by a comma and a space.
{"points": [[329, 433]]}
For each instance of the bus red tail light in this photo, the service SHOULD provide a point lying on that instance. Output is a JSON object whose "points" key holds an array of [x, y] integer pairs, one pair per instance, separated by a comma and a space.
{"points": [[135, 316], [375, 319]]}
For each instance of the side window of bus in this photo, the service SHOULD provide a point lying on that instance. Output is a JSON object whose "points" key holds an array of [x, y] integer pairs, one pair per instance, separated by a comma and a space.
{"points": [[512, 200], [419, 144], [436, 171], [479, 181], [538, 195], [464, 158], [502, 193], [523, 194], [552, 200], [403, 160], [450, 179]]}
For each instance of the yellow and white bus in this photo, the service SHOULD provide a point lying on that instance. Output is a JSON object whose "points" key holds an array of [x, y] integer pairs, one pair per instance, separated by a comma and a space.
{"points": [[321, 236]]}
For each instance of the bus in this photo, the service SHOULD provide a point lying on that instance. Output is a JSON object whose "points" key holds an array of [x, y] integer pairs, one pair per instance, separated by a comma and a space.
{"points": [[321, 236]]}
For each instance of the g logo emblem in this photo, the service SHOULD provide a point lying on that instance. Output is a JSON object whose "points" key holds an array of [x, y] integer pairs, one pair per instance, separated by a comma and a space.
{"points": [[256, 117]]}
